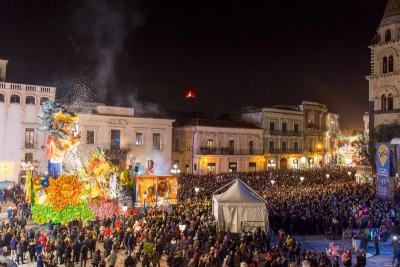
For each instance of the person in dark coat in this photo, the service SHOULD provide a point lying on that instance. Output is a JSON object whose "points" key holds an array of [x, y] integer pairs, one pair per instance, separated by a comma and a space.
{"points": [[128, 262], [84, 254], [76, 250], [59, 252], [96, 258], [32, 250]]}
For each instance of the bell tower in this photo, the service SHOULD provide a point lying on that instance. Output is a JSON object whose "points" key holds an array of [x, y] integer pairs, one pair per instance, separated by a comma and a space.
{"points": [[384, 80]]}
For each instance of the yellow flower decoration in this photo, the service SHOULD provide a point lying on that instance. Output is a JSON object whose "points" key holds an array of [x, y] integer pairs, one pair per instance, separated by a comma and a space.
{"points": [[35, 217], [41, 220], [63, 191], [37, 181]]}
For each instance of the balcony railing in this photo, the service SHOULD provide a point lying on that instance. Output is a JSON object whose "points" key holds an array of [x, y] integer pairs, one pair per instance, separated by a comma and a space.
{"points": [[312, 127], [284, 133], [28, 145], [113, 146], [284, 151], [227, 151]]}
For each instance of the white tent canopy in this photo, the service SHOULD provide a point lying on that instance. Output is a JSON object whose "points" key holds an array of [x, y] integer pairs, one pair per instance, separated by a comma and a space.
{"points": [[240, 205]]}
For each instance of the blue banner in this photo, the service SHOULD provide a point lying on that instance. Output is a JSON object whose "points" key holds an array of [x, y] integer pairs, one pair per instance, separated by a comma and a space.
{"points": [[382, 170]]}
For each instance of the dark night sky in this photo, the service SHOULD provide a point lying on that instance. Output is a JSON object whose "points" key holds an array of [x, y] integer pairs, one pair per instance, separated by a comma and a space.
{"points": [[236, 53]]}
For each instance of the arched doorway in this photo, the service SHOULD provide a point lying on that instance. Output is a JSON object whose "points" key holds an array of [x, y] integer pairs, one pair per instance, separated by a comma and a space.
{"points": [[283, 163]]}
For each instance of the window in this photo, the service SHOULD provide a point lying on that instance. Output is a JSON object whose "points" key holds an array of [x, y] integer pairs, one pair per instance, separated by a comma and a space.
{"points": [[2, 98], [188, 145], [115, 139], [296, 147], [390, 102], [187, 168], [231, 147], [210, 143], [284, 147], [156, 141], [15, 99], [232, 167], [211, 167], [284, 128], [90, 137], [252, 167], [383, 102], [139, 139], [295, 164], [384, 65], [29, 137], [296, 129], [28, 157], [30, 100], [390, 63], [271, 127], [311, 145], [251, 148], [195, 167], [43, 99], [176, 144], [271, 147], [388, 35]]}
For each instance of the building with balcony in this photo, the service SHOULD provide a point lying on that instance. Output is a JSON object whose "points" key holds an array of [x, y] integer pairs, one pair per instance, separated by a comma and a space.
{"points": [[206, 145], [320, 130], [295, 137], [19, 142], [121, 134]]}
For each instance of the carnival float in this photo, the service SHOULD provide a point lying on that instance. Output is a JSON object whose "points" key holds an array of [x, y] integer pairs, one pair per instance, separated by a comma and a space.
{"points": [[96, 188]]}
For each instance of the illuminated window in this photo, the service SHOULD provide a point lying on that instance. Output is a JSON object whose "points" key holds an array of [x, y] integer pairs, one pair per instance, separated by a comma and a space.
{"points": [[44, 99], [2, 98], [29, 137], [390, 63], [187, 145], [30, 100], [139, 139], [15, 99], [388, 35], [390, 102], [210, 143], [384, 65]]}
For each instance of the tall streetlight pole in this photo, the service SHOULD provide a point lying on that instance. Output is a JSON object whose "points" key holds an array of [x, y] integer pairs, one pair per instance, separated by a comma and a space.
{"points": [[182, 228], [175, 170]]}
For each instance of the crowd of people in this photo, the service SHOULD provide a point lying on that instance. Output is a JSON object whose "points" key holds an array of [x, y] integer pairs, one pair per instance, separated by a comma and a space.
{"points": [[315, 206]]}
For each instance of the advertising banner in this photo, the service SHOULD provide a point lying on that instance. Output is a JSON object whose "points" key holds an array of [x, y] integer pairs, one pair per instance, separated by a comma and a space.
{"points": [[382, 170]]}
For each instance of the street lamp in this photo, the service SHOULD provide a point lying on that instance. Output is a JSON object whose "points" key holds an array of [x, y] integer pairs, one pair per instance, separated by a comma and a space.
{"points": [[182, 228], [272, 182], [327, 176], [349, 173], [301, 178], [124, 208], [175, 170], [196, 189], [144, 199]]}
